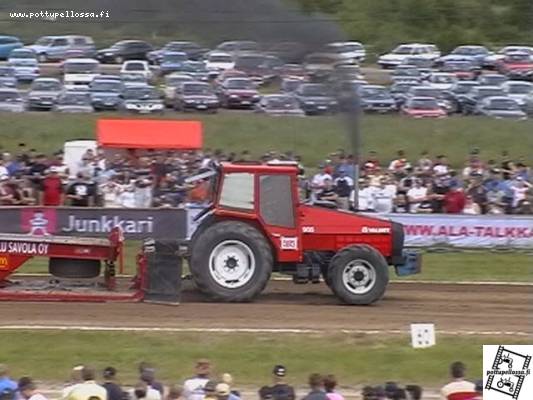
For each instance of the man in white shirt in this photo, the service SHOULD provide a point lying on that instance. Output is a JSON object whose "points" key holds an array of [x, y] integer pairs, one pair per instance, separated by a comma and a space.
{"points": [[384, 196], [317, 182], [458, 386], [416, 195], [366, 199], [142, 391], [441, 167], [193, 388], [28, 389], [89, 388]]}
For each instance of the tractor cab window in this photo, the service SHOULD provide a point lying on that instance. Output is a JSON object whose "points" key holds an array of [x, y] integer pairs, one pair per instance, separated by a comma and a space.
{"points": [[238, 191], [276, 202]]}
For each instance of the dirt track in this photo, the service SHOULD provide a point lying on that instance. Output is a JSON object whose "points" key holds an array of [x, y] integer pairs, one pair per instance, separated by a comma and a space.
{"points": [[475, 308]]}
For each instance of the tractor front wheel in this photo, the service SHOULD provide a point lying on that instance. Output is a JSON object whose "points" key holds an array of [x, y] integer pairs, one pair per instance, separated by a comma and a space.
{"points": [[231, 261], [358, 275]]}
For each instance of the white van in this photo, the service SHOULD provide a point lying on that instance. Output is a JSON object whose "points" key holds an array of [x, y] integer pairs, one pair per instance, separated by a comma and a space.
{"points": [[79, 72]]}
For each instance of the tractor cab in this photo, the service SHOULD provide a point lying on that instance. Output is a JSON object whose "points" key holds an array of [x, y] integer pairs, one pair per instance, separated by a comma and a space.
{"points": [[256, 224]]}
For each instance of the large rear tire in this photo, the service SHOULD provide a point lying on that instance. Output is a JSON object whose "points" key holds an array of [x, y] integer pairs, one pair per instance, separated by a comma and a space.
{"points": [[231, 261], [358, 275], [74, 268]]}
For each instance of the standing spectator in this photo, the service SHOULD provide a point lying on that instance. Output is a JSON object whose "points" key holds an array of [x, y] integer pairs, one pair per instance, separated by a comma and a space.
{"points": [[88, 389], [280, 390], [6, 383], [401, 204], [12, 164], [367, 201], [28, 389], [330, 383], [520, 188], [400, 165], [210, 392], [371, 165], [126, 199], [51, 189], [477, 191], [441, 167], [143, 193], [317, 182], [384, 195], [415, 391], [3, 169], [81, 191], [454, 200], [222, 391], [193, 388], [228, 379], [114, 391], [8, 194], [416, 195], [38, 168], [175, 392], [495, 201], [343, 188], [147, 375], [110, 192], [458, 388], [316, 384], [425, 164], [327, 193]]}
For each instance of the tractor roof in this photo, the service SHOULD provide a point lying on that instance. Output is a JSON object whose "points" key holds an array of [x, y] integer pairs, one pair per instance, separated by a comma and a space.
{"points": [[259, 168]]}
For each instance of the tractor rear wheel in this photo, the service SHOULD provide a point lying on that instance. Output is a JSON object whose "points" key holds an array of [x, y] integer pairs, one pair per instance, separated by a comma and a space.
{"points": [[74, 268], [358, 275], [231, 261]]}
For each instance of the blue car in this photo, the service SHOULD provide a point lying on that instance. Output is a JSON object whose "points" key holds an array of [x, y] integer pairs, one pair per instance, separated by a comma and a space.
{"points": [[172, 61], [8, 43]]}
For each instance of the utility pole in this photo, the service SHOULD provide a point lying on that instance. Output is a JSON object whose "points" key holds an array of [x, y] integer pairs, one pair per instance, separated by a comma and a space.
{"points": [[353, 119]]}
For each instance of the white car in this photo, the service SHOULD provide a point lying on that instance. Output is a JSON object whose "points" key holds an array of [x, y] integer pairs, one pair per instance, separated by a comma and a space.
{"points": [[218, 61], [442, 80], [79, 72], [137, 67], [350, 52], [400, 53], [519, 91]]}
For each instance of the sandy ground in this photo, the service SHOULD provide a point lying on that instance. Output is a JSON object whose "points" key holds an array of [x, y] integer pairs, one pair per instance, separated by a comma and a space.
{"points": [[453, 308]]}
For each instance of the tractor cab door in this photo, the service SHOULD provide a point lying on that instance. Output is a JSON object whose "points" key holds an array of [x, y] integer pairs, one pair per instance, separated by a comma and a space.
{"points": [[277, 209]]}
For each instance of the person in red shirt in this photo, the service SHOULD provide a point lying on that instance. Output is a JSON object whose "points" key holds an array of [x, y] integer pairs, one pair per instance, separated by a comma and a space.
{"points": [[52, 188], [454, 200]]}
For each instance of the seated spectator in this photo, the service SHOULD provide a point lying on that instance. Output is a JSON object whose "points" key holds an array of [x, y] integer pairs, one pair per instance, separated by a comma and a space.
{"points": [[330, 383], [459, 388], [222, 391], [142, 391], [470, 207], [417, 196], [75, 380], [519, 188], [401, 204], [316, 384], [3, 169], [6, 383], [114, 391], [495, 201], [384, 196], [193, 388], [280, 390], [454, 200], [88, 388], [228, 379], [147, 375], [28, 389]]}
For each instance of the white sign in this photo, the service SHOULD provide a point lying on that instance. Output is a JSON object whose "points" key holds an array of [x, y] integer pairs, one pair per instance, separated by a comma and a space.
{"points": [[289, 243], [422, 335], [474, 231]]}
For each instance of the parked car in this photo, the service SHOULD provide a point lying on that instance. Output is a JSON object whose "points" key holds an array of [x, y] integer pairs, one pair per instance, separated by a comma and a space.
{"points": [[463, 70], [196, 69], [319, 66], [289, 85], [172, 81], [346, 72], [196, 96], [8, 44], [79, 72], [218, 61], [11, 100], [457, 93], [406, 73], [55, 48], [24, 61], [518, 91], [172, 61], [292, 71], [424, 65], [399, 90], [396, 56], [315, 99], [477, 94], [474, 53], [442, 80], [349, 52], [137, 67], [71, 101], [529, 104], [428, 91], [253, 65], [423, 107], [279, 105], [192, 50], [238, 93], [499, 107], [237, 47], [492, 79], [8, 77], [376, 98], [492, 61], [142, 99], [43, 93], [289, 52], [105, 94], [229, 73], [133, 79], [124, 50], [517, 65]]}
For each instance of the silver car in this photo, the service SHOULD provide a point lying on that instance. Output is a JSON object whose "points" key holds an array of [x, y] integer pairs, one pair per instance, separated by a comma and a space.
{"points": [[11, 100], [43, 93], [74, 102], [7, 77]]}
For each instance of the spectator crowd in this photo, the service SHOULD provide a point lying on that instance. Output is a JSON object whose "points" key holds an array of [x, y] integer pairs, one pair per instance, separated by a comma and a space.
{"points": [[84, 384], [133, 179]]}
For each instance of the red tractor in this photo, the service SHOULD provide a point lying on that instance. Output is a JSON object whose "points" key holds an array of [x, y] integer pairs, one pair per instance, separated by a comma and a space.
{"points": [[256, 225]]}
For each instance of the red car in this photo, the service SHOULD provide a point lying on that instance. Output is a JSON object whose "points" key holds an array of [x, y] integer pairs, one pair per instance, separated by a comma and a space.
{"points": [[517, 65], [463, 70], [423, 107], [238, 93]]}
